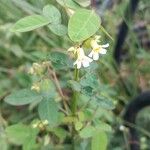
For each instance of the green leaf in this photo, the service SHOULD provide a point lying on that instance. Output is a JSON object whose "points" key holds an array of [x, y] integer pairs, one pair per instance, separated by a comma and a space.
{"points": [[89, 84], [83, 3], [90, 80], [60, 132], [78, 125], [47, 88], [30, 23], [74, 85], [81, 116], [87, 132], [30, 144], [3, 144], [60, 60], [23, 97], [83, 24], [99, 141], [69, 3], [52, 14], [19, 133], [103, 102], [88, 91], [48, 110], [102, 126], [58, 29]]}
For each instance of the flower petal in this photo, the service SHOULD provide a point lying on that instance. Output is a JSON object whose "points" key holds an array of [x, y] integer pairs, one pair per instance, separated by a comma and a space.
{"points": [[94, 44], [80, 53], [95, 56], [103, 51], [91, 54], [75, 62], [88, 59], [85, 63], [105, 45], [78, 64]]}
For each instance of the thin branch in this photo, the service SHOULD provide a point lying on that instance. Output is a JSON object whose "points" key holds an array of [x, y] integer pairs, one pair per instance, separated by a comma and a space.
{"points": [[55, 80]]}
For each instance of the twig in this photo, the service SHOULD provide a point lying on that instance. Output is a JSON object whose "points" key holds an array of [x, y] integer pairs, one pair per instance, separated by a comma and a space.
{"points": [[137, 128], [126, 140], [64, 111], [55, 80]]}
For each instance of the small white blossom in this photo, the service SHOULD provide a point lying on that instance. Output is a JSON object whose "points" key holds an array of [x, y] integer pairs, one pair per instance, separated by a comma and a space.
{"points": [[122, 127], [82, 60], [97, 49]]}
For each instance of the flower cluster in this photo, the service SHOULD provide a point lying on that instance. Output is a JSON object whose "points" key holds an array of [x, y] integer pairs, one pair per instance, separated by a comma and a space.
{"points": [[35, 87], [82, 59], [40, 124], [38, 69]]}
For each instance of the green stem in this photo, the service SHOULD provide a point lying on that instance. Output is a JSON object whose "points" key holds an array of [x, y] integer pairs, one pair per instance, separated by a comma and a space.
{"points": [[74, 106], [126, 140], [75, 94], [74, 103], [76, 74]]}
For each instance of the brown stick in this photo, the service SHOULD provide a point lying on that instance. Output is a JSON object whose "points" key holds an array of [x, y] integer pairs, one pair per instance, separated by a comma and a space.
{"points": [[55, 80]]}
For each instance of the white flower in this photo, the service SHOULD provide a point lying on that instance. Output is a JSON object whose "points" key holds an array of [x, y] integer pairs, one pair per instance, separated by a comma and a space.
{"points": [[82, 59], [97, 49], [122, 127]]}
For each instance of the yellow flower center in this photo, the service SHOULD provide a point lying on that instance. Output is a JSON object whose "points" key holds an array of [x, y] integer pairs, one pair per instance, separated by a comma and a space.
{"points": [[97, 49]]}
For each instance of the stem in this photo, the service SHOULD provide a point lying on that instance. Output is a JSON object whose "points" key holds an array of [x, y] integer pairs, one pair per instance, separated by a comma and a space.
{"points": [[126, 140], [76, 74], [75, 94], [74, 103], [56, 82], [74, 106]]}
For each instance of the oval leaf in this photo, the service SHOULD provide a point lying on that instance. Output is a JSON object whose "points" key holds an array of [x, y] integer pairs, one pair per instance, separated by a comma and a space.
{"points": [[83, 24], [30, 23], [23, 97], [48, 110], [20, 133], [52, 14], [87, 132], [58, 29], [99, 141], [103, 102]]}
